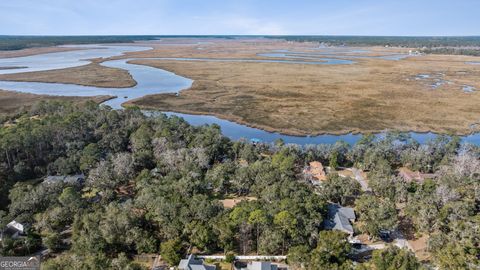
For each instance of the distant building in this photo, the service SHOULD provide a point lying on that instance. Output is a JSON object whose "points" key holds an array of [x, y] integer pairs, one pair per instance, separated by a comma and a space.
{"points": [[258, 266], [411, 176], [70, 179], [340, 218], [194, 264], [414, 53], [315, 172], [13, 230]]}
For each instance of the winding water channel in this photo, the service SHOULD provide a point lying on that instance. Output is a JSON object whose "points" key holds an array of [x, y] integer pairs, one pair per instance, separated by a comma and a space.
{"points": [[153, 80]]}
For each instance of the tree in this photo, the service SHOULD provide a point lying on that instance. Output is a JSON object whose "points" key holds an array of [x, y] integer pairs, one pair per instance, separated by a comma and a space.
{"points": [[53, 242], [220, 176], [298, 257], [90, 156], [333, 160], [341, 190], [70, 199], [201, 236], [452, 256], [258, 218], [331, 252], [141, 142], [230, 257], [225, 231], [271, 241], [284, 161], [386, 186], [376, 214], [393, 258], [178, 173], [171, 251], [287, 224], [122, 167], [122, 262]]}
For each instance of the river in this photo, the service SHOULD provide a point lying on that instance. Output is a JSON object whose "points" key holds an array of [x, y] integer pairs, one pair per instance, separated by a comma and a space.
{"points": [[153, 81]]}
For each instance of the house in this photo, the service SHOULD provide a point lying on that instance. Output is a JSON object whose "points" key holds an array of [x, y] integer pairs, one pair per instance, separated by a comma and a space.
{"points": [[255, 265], [13, 230], [194, 264], [315, 172], [410, 176], [340, 218], [70, 179]]}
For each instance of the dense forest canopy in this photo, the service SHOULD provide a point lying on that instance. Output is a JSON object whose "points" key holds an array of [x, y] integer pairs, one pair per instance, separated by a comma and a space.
{"points": [[22, 42], [395, 41], [156, 185]]}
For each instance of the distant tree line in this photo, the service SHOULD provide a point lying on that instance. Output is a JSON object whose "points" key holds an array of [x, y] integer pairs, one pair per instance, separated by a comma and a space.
{"points": [[10, 43], [452, 51], [395, 41]]}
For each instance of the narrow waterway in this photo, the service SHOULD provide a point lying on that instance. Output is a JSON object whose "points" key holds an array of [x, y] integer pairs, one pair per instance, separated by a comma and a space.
{"points": [[153, 81]]}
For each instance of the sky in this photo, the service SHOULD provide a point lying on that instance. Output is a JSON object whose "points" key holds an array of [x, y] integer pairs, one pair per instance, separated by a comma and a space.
{"points": [[240, 17]]}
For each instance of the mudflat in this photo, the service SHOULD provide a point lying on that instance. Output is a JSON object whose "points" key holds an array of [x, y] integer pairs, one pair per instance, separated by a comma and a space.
{"points": [[34, 51], [92, 74], [11, 101], [420, 93], [371, 95]]}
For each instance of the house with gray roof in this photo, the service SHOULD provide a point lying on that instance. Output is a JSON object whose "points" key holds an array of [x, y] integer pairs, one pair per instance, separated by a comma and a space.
{"points": [[340, 218], [69, 179], [260, 266], [13, 230], [194, 264]]}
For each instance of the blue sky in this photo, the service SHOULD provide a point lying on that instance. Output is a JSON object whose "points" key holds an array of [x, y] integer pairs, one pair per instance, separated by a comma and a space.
{"points": [[241, 17]]}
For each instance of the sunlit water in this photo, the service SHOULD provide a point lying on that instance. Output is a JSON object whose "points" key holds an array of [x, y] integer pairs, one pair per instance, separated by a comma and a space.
{"points": [[153, 81]]}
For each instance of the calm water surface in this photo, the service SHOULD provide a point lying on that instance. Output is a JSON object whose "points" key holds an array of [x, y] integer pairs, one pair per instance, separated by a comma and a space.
{"points": [[152, 81]]}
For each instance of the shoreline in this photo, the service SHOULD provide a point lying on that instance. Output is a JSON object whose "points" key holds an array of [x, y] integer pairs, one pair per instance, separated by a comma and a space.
{"points": [[13, 101], [326, 105], [293, 133], [93, 67]]}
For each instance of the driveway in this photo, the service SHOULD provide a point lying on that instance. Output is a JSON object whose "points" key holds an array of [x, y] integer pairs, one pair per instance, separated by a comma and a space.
{"points": [[360, 179]]}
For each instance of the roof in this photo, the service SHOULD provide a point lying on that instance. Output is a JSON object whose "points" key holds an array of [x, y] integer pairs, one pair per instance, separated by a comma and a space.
{"points": [[10, 232], [64, 178], [13, 229], [410, 175], [261, 266], [315, 169], [193, 264], [340, 218], [256, 265], [13, 225]]}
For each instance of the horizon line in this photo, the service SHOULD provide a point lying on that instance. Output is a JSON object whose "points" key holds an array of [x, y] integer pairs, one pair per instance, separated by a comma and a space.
{"points": [[228, 35]]}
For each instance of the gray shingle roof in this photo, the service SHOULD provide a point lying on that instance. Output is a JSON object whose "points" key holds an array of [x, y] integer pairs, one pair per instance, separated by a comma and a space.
{"points": [[340, 218], [261, 266], [64, 178], [193, 264]]}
